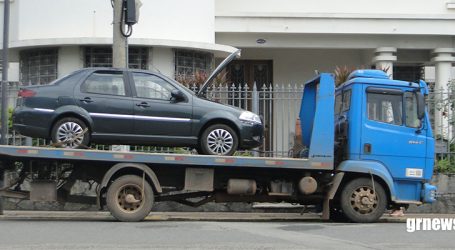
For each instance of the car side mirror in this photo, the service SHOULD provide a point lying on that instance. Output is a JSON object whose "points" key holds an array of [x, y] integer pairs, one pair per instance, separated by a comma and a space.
{"points": [[420, 105], [177, 95]]}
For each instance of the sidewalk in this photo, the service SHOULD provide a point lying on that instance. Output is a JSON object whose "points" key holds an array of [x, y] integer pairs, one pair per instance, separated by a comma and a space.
{"points": [[192, 216]]}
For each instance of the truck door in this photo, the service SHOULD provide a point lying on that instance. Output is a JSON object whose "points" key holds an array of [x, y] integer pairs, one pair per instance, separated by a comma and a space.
{"points": [[392, 135]]}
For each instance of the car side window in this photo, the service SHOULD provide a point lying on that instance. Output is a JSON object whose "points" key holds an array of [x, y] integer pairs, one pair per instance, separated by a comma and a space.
{"points": [[151, 86], [105, 83], [386, 108]]}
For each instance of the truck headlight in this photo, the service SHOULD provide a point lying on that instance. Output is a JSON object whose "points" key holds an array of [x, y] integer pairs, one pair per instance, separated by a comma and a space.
{"points": [[248, 116]]}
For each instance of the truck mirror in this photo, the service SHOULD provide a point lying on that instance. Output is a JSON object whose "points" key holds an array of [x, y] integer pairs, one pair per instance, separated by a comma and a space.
{"points": [[420, 105]]}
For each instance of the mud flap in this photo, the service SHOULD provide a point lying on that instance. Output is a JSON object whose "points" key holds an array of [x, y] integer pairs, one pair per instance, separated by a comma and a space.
{"points": [[330, 194]]}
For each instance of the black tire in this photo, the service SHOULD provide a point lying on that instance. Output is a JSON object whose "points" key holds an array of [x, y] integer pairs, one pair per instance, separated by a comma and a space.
{"points": [[121, 209], [358, 202], [227, 137], [83, 142]]}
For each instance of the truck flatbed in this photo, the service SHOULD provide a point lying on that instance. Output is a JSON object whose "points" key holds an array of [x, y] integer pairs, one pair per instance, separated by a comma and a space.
{"points": [[158, 158]]}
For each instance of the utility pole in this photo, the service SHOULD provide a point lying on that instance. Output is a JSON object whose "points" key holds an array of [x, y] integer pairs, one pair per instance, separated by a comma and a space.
{"points": [[4, 113], [119, 43]]}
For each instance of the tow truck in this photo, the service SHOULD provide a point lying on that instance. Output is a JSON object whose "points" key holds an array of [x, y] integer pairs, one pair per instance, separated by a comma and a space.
{"points": [[367, 146]]}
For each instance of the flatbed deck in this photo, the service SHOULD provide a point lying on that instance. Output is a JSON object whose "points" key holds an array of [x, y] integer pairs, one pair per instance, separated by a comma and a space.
{"points": [[157, 158]]}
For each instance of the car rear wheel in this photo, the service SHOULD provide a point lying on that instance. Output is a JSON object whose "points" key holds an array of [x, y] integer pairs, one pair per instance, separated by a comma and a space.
{"points": [[70, 132], [219, 139]]}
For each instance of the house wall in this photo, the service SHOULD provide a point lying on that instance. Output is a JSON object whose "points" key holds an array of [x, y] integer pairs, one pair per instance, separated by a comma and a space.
{"points": [[48, 19], [293, 67], [335, 6]]}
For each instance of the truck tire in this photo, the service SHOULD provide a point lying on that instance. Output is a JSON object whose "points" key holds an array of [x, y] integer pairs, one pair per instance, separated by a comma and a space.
{"points": [[219, 139], [66, 129], [126, 201], [359, 202]]}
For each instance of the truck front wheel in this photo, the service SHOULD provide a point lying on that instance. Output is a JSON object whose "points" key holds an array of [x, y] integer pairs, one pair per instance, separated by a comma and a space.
{"points": [[130, 198], [361, 202]]}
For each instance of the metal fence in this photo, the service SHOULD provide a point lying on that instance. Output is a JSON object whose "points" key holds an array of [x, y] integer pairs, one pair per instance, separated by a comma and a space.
{"points": [[279, 106], [441, 104]]}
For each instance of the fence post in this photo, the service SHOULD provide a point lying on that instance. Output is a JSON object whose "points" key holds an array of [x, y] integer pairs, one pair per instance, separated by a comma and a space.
{"points": [[2, 183], [255, 107]]}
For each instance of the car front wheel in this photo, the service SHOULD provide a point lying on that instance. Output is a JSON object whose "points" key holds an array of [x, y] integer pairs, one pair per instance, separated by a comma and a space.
{"points": [[219, 139], [70, 132]]}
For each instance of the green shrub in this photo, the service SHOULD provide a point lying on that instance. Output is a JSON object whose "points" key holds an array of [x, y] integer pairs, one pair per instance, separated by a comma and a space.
{"points": [[446, 165]]}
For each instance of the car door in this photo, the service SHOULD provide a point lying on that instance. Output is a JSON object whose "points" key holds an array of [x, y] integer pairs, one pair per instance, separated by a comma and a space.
{"points": [[391, 133], [107, 98], [156, 112]]}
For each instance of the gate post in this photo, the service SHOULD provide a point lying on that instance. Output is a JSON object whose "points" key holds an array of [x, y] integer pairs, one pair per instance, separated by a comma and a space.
{"points": [[255, 107]]}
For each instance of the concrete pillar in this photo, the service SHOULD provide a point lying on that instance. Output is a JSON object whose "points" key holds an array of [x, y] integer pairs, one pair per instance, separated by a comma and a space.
{"points": [[443, 58], [384, 59]]}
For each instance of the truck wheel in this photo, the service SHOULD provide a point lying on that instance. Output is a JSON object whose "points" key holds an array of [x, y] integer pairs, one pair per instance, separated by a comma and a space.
{"points": [[127, 201], [69, 133], [219, 139], [360, 203]]}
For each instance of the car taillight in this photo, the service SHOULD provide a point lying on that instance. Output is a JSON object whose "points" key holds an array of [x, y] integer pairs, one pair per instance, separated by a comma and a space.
{"points": [[26, 93]]}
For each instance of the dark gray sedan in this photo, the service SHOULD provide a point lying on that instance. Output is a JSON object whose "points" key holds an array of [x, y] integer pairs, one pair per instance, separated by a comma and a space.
{"points": [[118, 106]]}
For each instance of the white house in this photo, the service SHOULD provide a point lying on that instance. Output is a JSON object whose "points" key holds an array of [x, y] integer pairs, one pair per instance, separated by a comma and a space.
{"points": [[282, 42]]}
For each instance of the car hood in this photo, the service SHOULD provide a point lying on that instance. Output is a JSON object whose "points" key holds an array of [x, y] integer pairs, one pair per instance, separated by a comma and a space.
{"points": [[202, 102], [218, 69]]}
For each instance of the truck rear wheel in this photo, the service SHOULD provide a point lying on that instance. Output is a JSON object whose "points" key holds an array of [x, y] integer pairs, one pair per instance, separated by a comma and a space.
{"points": [[130, 198], [361, 203]]}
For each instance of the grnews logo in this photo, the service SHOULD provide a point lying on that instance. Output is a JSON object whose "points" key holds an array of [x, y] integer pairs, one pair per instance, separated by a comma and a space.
{"points": [[430, 224]]}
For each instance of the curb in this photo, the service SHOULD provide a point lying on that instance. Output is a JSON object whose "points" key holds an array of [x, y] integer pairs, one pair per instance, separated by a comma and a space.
{"points": [[193, 216]]}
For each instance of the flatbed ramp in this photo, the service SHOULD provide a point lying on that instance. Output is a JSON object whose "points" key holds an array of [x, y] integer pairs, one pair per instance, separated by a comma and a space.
{"points": [[20, 152]]}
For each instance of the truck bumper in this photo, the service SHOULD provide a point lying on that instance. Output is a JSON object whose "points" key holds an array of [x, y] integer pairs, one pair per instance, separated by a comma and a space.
{"points": [[428, 193]]}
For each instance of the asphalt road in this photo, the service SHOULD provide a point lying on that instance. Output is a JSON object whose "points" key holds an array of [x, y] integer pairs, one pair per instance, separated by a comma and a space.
{"points": [[108, 234]]}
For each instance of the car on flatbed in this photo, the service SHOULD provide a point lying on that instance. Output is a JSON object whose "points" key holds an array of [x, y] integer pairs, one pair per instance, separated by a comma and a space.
{"points": [[137, 107]]}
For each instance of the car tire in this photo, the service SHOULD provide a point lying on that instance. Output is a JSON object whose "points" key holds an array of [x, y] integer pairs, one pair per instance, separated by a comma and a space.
{"points": [[121, 206], [359, 202], [218, 139], [66, 129]]}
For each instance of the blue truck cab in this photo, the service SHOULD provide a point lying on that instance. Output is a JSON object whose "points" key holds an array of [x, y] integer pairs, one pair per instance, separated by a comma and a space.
{"points": [[383, 129]]}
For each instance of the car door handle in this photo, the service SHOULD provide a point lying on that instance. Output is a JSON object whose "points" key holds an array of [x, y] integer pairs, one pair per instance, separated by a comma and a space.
{"points": [[143, 105], [87, 100]]}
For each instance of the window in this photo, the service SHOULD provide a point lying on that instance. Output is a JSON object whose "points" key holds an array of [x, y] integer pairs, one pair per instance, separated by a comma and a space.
{"points": [[346, 100], [150, 86], [106, 83], [38, 66], [385, 108], [187, 63], [338, 103], [102, 57], [410, 100]]}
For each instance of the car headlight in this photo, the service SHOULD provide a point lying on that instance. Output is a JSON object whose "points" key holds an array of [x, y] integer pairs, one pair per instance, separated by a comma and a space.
{"points": [[250, 117]]}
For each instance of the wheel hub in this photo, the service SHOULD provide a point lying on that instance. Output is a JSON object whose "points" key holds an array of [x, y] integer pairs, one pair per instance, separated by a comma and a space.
{"points": [[220, 141], [364, 200], [69, 133], [129, 198]]}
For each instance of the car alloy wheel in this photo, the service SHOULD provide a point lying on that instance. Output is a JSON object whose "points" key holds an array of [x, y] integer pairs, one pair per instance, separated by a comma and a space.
{"points": [[220, 141], [70, 132]]}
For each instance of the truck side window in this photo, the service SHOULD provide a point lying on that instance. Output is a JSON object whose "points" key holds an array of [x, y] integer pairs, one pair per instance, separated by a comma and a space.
{"points": [[385, 108], [410, 101], [338, 104], [346, 100]]}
